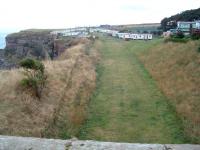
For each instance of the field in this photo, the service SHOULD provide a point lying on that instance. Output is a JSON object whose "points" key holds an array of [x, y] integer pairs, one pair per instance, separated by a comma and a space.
{"points": [[138, 27], [127, 105], [143, 91], [175, 68]]}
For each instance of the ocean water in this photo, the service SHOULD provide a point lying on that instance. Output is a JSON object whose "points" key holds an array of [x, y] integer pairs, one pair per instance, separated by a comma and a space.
{"points": [[2, 40]]}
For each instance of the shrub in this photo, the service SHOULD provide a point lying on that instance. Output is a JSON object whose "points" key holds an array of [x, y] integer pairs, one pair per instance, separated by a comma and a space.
{"points": [[195, 35], [198, 49], [174, 39], [35, 76], [180, 35]]}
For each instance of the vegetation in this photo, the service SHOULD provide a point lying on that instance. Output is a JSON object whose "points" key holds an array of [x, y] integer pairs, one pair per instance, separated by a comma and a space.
{"points": [[127, 105], [62, 107], [176, 40], [175, 67], [140, 28], [147, 91], [35, 76], [195, 35], [189, 15], [198, 49]]}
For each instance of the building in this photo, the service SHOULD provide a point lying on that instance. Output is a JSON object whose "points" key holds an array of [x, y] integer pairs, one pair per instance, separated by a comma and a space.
{"points": [[128, 36], [72, 32], [186, 27]]}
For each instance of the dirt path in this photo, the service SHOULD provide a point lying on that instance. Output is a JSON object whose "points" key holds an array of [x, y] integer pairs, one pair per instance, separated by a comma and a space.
{"points": [[127, 105]]}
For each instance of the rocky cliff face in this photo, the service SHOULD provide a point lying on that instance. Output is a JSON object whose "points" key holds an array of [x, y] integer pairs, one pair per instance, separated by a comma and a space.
{"points": [[30, 44], [39, 44]]}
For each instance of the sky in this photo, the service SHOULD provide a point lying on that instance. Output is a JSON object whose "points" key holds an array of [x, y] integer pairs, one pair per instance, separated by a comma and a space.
{"points": [[26, 14]]}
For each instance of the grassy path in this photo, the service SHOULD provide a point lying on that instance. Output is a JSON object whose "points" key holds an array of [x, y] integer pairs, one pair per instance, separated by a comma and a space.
{"points": [[127, 105]]}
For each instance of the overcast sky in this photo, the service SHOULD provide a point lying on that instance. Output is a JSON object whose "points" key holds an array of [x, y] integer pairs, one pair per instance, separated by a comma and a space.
{"points": [[24, 14]]}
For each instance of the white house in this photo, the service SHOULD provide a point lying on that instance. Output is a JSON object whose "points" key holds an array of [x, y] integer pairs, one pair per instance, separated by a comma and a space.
{"points": [[141, 36], [133, 36], [198, 24], [121, 35], [150, 36]]}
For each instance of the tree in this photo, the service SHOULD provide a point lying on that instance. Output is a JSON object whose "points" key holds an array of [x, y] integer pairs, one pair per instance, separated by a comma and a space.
{"points": [[35, 76]]}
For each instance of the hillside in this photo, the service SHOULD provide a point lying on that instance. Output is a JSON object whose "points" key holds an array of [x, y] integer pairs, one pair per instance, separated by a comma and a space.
{"points": [[136, 28], [188, 15], [63, 104], [175, 68]]}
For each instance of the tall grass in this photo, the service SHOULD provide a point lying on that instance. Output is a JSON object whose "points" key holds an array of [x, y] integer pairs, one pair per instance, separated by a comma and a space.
{"points": [[61, 109], [176, 69]]}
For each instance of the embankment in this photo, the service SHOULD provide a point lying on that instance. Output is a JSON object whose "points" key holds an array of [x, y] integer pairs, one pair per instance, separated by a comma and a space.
{"points": [[63, 104], [175, 67]]}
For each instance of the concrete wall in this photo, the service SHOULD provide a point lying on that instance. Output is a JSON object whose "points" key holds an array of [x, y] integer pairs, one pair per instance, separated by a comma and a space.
{"points": [[23, 143]]}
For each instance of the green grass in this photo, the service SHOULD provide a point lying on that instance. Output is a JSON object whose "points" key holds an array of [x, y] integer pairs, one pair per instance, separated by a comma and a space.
{"points": [[127, 105]]}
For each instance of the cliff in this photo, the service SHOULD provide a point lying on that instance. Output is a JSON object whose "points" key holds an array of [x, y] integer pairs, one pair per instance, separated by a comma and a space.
{"points": [[39, 44]]}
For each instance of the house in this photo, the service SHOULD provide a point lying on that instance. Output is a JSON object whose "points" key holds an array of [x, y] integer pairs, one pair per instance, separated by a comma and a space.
{"points": [[150, 36], [186, 27], [127, 36], [120, 35], [198, 24], [114, 33], [134, 36]]}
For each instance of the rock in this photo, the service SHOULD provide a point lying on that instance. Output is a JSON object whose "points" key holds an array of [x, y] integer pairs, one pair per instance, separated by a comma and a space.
{"points": [[39, 44], [30, 44]]}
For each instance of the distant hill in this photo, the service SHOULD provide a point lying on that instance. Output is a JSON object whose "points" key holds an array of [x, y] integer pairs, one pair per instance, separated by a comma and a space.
{"points": [[137, 28], [188, 15]]}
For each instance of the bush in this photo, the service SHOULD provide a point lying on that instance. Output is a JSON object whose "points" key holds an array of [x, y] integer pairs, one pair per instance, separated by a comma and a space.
{"points": [[195, 35], [35, 76], [179, 35], [198, 49], [174, 39], [32, 64]]}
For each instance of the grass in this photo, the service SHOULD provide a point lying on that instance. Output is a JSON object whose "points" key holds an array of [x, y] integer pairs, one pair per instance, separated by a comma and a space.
{"points": [[175, 67], [63, 103], [177, 40], [147, 92], [127, 105], [139, 27]]}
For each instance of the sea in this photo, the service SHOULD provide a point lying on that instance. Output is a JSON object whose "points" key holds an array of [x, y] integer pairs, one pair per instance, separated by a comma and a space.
{"points": [[2, 40]]}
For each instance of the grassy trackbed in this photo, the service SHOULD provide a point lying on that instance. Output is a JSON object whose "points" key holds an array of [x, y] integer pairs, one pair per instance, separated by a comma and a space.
{"points": [[127, 105]]}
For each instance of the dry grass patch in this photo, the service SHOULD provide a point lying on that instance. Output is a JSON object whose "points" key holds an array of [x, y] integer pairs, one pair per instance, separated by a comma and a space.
{"points": [[176, 69], [63, 104]]}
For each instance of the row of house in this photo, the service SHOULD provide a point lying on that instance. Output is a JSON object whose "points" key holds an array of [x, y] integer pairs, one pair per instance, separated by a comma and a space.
{"points": [[126, 36], [72, 32], [130, 36], [86, 32]]}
